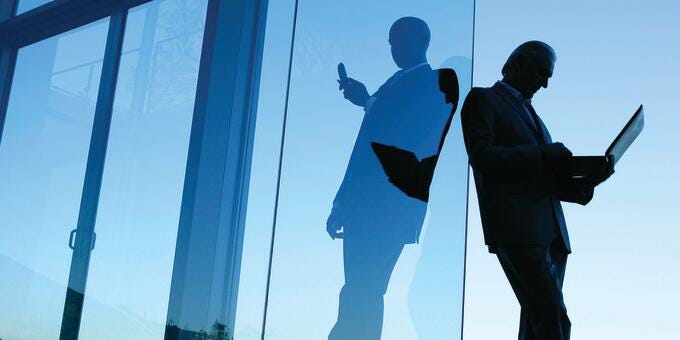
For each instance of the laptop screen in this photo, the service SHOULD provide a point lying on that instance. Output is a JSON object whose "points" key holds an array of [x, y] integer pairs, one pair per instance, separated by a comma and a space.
{"points": [[627, 136]]}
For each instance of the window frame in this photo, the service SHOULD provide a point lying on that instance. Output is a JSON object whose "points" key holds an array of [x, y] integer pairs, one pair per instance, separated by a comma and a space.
{"points": [[225, 99]]}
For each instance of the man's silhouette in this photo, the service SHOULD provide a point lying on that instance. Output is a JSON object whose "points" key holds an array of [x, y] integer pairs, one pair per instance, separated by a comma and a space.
{"points": [[521, 176], [372, 216]]}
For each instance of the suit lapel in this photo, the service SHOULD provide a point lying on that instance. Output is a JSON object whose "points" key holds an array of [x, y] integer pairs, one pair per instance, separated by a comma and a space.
{"points": [[517, 107], [546, 134]]}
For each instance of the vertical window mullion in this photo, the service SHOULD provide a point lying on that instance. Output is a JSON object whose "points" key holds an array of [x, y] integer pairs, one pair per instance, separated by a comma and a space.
{"points": [[93, 178], [8, 57], [7, 60]]}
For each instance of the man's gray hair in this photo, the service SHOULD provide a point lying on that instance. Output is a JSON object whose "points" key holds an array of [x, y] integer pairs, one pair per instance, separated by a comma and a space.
{"points": [[530, 50]]}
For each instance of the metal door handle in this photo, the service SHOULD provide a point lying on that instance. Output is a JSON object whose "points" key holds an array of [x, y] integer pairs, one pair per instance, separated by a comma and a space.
{"points": [[71, 239]]}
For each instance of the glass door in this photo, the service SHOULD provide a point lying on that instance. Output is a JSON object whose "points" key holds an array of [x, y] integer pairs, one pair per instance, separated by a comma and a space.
{"points": [[130, 270], [74, 160], [43, 158]]}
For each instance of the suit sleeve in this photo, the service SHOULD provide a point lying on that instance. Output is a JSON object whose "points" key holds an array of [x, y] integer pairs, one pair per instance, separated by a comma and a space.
{"points": [[480, 141]]}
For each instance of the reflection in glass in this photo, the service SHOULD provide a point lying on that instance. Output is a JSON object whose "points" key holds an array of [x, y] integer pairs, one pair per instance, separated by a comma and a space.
{"points": [[131, 266], [383, 264], [27, 5], [263, 173], [372, 216], [43, 153]]}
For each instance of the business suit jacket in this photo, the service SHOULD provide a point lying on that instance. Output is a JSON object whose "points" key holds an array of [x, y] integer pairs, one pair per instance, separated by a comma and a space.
{"points": [[519, 195], [409, 112]]}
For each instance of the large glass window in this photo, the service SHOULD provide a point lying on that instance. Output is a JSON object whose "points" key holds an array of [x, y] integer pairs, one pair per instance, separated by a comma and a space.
{"points": [[44, 153], [398, 270], [131, 265], [42, 166]]}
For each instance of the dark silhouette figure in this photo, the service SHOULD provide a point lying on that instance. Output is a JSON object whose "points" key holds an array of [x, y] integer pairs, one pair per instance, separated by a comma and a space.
{"points": [[521, 176], [374, 217]]}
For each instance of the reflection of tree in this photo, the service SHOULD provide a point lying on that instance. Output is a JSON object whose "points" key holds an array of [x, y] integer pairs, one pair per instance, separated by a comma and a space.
{"points": [[155, 96], [219, 331], [176, 56]]}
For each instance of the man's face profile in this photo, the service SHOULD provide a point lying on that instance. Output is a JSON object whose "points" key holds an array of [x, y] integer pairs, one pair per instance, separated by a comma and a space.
{"points": [[409, 38], [538, 73], [399, 50], [530, 72]]}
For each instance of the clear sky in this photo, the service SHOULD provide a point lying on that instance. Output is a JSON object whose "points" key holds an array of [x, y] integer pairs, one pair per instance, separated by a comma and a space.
{"points": [[621, 280]]}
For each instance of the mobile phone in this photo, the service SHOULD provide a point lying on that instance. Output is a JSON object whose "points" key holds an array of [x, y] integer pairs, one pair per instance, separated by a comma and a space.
{"points": [[342, 73]]}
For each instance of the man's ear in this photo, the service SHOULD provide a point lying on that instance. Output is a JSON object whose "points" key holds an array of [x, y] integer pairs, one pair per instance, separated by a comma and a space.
{"points": [[519, 64]]}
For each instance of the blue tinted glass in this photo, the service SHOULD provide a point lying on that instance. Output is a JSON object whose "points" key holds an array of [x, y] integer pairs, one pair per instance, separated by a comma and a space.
{"points": [[43, 155], [262, 187], [27, 5], [377, 274], [131, 265]]}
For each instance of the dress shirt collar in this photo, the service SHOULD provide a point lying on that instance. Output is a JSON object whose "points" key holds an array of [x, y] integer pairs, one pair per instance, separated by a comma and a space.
{"points": [[405, 71], [401, 73], [513, 92], [397, 75], [526, 103]]}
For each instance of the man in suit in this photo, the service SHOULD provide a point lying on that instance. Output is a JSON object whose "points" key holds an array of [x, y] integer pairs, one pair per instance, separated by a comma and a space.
{"points": [[521, 177], [371, 215]]}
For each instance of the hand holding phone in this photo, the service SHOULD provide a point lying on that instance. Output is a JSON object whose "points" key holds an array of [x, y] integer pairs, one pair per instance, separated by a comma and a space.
{"points": [[353, 90], [342, 74]]}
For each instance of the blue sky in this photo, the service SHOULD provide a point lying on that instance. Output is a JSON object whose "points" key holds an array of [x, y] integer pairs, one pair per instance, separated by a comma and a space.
{"points": [[621, 280]]}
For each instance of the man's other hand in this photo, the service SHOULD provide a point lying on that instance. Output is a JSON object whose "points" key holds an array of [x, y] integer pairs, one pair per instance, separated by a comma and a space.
{"points": [[605, 172], [354, 91]]}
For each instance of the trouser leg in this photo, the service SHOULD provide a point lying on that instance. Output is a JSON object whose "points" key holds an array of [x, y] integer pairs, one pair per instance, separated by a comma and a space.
{"points": [[525, 332], [536, 274], [559, 258], [368, 265]]}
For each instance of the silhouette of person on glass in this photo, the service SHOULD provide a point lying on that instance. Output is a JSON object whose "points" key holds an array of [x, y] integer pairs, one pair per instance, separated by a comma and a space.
{"points": [[521, 176], [374, 218]]}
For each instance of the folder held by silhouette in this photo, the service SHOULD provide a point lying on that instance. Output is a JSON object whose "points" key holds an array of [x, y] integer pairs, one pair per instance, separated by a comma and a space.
{"points": [[405, 171], [396, 162]]}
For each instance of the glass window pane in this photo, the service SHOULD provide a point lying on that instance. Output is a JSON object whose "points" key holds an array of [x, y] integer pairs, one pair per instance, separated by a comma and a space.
{"points": [[131, 266], [27, 5], [399, 269], [263, 174], [43, 154]]}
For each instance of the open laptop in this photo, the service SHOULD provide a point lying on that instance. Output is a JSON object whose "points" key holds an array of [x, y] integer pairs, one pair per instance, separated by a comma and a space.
{"points": [[585, 165]]}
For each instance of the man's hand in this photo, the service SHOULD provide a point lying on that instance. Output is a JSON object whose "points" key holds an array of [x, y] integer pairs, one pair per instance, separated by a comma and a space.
{"points": [[354, 91], [334, 226], [556, 156], [606, 172]]}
